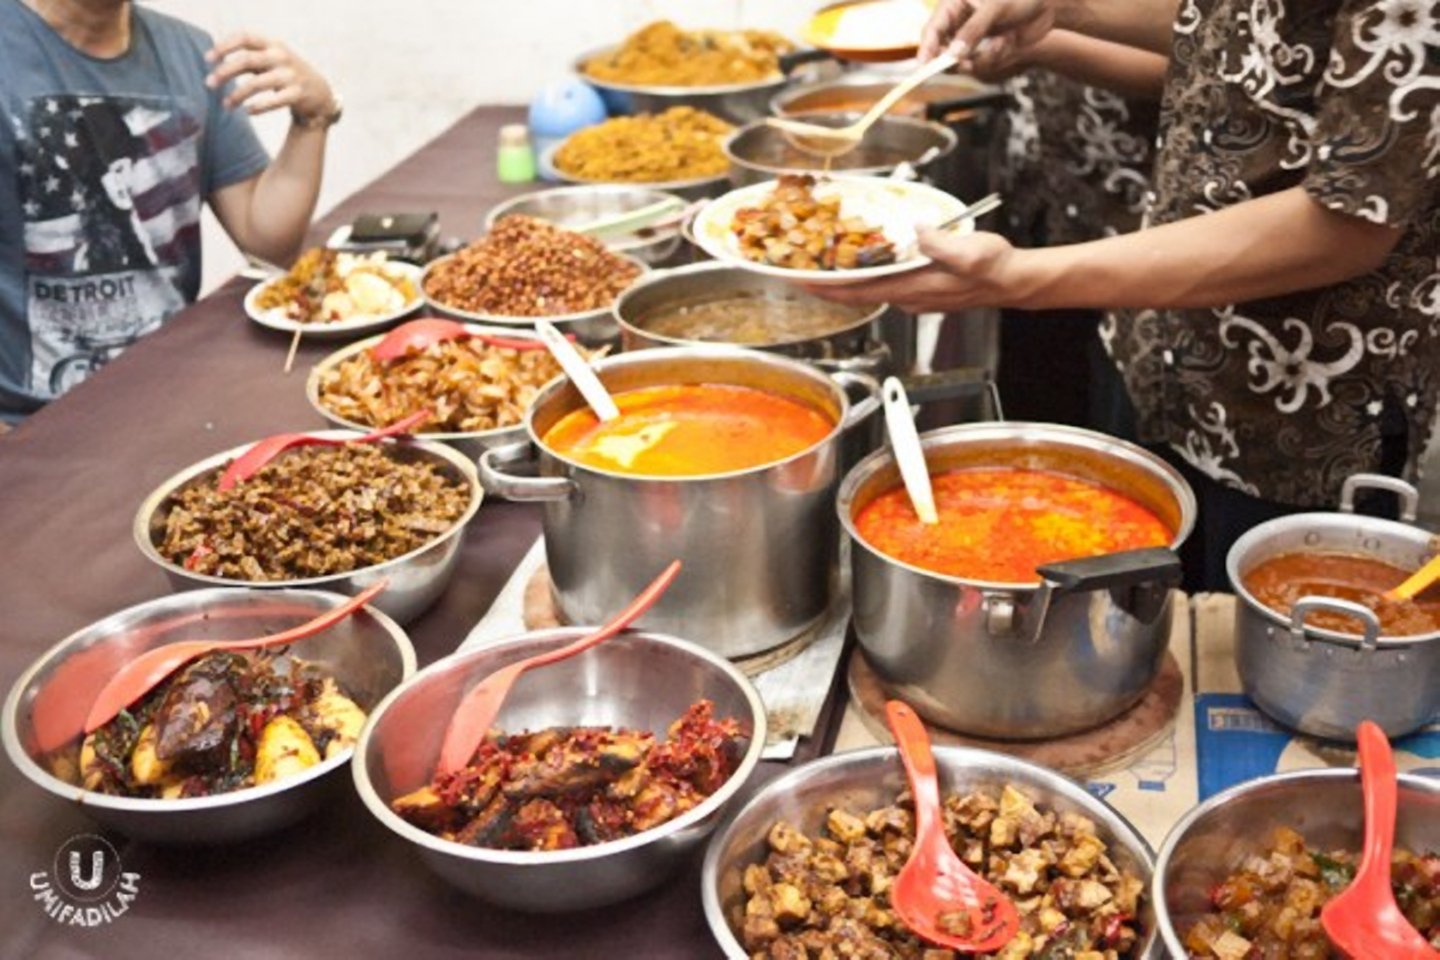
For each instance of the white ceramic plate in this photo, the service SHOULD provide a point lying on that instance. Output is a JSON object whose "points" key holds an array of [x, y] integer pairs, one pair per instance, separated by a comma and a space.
{"points": [[275, 319], [896, 207]]}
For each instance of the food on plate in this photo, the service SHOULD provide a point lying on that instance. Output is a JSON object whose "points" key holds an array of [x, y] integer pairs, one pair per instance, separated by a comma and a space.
{"points": [[753, 319], [1270, 906], [312, 512], [795, 229], [660, 54], [680, 430], [1277, 582], [829, 895], [470, 386], [326, 286], [1000, 523], [566, 787], [681, 144], [223, 722], [526, 267]]}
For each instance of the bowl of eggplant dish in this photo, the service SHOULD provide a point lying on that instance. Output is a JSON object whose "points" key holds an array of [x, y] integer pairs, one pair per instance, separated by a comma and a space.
{"points": [[230, 745], [326, 517]]}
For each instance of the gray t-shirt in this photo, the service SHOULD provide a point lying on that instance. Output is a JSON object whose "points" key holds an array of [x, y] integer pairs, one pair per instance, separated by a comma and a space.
{"points": [[104, 168]]}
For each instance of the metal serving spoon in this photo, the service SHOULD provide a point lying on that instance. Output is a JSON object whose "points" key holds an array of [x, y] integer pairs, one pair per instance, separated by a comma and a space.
{"points": [[909, 454], [1364, 920], [478, 710], [935, 893], [823, 141], [262, 452], [416, 335], [145, 672]]}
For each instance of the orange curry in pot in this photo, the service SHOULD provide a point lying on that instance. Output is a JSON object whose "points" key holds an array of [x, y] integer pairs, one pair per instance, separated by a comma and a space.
{"points": [[1277, 582], [690, 430], [999, 523]]}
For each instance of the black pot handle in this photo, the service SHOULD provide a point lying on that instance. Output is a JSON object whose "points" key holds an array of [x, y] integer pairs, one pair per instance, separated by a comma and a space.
{"points": [[789, 61], [953, 384], [1108, 571], [938, 110]]}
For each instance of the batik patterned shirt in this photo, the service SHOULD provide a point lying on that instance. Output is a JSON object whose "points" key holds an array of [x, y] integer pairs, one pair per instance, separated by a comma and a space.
{"points": [[1285, 397]]}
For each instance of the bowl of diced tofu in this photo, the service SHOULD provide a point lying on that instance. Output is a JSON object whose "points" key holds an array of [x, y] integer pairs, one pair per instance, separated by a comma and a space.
{"points": [[230, 745]]}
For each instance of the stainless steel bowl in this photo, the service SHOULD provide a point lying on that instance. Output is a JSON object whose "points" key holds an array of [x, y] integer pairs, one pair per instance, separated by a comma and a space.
{"points": [[760, 152], [638, 680], [416, 579], [591, 327], [869, 779], [736, 102], [471, 444], [698, 188], [1324, 806], [367, 653], [572, 207]]}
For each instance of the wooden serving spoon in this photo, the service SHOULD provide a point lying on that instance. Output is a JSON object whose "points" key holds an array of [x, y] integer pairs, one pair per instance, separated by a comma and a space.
{"points": [[262, 452], [145, 672], [935, 894], [1417, 582], [481, 705], [822, 141], [1364, 920], [416, 335]]}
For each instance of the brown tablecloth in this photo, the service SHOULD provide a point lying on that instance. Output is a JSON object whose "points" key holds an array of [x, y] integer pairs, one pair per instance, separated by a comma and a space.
{"points": [[337, 884]]}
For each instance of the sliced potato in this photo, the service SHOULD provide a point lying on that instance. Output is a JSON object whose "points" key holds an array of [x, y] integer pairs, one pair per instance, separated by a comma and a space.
{"points": [[285, 749]]}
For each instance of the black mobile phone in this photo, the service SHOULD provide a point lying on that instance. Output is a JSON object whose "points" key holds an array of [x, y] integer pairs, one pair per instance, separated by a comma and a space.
{"points": [[411, 229]]}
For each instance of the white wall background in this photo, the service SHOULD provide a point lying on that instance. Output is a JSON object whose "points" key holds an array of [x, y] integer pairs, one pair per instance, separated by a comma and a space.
{"points": [[408, 70]]}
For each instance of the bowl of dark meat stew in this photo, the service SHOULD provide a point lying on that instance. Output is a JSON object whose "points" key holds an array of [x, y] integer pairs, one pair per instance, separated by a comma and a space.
{"points": [[328, 517], [229, 746], [601, 776]]}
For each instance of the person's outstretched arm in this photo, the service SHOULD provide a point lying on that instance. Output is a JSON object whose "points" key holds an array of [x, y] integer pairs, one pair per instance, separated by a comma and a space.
{"points": [[269, 214], [1268, 246], [960, 25]]}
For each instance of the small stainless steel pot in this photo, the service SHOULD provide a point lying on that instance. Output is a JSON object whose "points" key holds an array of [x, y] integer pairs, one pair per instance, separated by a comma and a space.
{"points": [[416, 579], [760, 152], [1319, 681], [760, 546], [1021, 661]]}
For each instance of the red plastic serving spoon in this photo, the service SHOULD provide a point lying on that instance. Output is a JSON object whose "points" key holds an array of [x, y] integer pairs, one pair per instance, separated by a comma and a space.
{"points": [[477, 711], [248, 463], [418, 334], [1364, 920], [935, 883], [141, 675]]}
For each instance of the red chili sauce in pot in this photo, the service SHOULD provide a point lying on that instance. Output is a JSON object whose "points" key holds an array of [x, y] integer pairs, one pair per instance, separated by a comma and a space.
{"points": [[1279, 581], [1000, 523]]}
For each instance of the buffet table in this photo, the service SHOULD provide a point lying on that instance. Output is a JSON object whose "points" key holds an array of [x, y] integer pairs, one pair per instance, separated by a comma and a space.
{"points": [[71, 479]]}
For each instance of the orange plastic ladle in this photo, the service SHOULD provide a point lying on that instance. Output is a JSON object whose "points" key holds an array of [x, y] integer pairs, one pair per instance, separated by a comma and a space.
{"points": [[262, 452], [1364, 919], [145, 672], [418, 334], [481, 705], [935, 894]]}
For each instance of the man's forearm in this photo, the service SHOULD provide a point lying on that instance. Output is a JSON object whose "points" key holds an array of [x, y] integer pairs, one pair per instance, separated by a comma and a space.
{"points": [[283, 202], [1265, 247], [1146, 24], [1128, 71]]}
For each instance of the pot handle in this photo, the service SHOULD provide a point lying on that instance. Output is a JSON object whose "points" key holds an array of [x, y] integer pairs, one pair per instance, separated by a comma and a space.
{"points": [[859, 412], [952, 384], [789, 61], [1318, 604], [513, 487], [1409, 496], [874, 358], [1156, 567]]}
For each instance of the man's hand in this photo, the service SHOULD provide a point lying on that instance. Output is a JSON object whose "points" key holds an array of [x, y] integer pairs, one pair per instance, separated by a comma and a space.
{"points": [[959, 25], [278, 77]]}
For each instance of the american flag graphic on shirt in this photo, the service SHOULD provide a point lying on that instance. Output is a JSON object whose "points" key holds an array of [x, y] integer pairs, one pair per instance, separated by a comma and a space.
{"points": [[111, 195]]}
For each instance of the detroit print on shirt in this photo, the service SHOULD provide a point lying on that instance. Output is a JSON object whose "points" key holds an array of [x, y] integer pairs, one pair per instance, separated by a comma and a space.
{"points": [[110, 192]]}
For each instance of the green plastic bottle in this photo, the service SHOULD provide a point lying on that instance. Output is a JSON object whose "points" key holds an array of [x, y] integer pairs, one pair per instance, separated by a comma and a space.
{"points": [[514, 159]]}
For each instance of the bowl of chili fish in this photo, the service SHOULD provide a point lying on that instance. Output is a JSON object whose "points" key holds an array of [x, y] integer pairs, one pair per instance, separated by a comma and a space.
{"points": [[602, 775], [280, 723], [325, 517], [1247, 872]]}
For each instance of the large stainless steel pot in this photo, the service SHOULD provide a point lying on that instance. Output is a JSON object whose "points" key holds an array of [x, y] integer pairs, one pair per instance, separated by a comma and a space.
{"points": [[1319, 681], [760, 152], [760, 546], [1010, 660]]}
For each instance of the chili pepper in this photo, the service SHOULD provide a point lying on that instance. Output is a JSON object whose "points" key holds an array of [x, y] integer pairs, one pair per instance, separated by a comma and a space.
{"points": [[196, 555]]}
